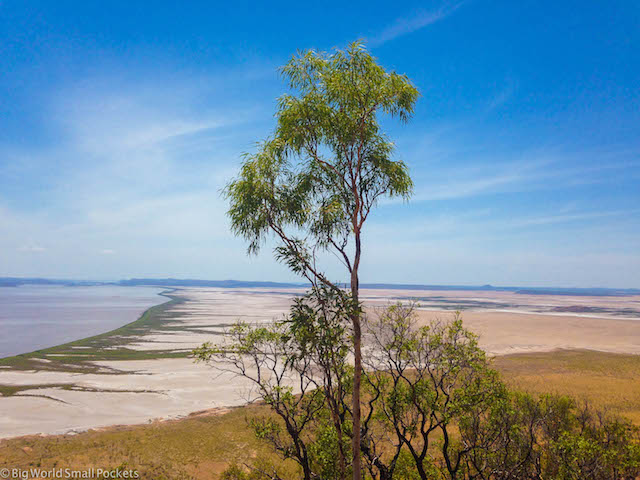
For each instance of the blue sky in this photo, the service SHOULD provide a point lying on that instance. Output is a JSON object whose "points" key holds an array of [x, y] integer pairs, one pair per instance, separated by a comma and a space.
{"points": [[120, 122]]}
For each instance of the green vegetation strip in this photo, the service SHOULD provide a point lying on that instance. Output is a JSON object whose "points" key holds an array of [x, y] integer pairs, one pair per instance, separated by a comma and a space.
{"points": [[78, 356]]}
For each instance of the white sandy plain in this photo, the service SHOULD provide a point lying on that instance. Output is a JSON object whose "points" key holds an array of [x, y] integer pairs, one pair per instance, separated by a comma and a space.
{"points": [[171, 388]]}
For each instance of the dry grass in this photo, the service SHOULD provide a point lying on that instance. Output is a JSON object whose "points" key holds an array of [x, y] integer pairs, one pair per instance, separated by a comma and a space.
{"points": [[201, 446], [607, 380]]}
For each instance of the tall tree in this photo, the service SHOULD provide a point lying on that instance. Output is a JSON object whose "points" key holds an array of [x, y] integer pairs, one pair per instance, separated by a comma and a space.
{"points": [[314, 183]]}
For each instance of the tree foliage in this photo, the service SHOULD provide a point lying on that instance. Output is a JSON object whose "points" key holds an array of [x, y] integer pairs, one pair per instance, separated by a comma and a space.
{"points": [[426, 381], [300, 367], [328, 161], [314, 183]]}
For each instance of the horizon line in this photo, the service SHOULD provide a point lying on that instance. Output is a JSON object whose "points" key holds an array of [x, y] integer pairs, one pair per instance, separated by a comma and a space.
{"points": [[9, 281]]}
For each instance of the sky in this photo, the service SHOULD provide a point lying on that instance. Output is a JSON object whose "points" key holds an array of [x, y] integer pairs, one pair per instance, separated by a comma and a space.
{"points": [[121, 121]]}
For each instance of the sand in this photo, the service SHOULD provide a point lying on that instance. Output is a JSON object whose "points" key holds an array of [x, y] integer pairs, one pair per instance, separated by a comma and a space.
{"points": [[506, 332], [171, 388]]}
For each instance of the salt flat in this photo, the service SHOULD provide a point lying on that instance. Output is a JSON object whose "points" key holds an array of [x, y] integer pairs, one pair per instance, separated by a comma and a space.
{"points": [[136, 391]]}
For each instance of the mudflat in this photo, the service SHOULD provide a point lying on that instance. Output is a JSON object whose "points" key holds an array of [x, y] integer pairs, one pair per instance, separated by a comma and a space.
{"points": [[142, 373]]}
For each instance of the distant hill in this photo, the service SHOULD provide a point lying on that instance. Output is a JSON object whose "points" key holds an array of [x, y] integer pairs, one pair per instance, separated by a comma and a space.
{"points": [[574, 291], [176, 282], [589, 292], [17, 281]]}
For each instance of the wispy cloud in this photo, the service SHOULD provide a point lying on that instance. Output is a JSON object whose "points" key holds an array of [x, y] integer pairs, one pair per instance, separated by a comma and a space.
{"points": [[499, 177], [411, 23], [31, 247], [494, 172], [500, 223], [469, 187], [569, 218], [502, 96], [138, 170]]}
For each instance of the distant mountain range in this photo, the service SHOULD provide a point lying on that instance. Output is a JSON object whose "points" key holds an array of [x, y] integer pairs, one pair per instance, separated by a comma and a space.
{"points": [[175, 282], [17, 281]]}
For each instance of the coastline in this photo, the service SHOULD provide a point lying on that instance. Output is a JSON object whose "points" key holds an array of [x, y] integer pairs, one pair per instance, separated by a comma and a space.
{"points": [[132, 375], [67, 356], [141, 372]]}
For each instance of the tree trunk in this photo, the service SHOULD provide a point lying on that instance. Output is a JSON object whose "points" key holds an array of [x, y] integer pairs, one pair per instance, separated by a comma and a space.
{"points": [[357, 359]]}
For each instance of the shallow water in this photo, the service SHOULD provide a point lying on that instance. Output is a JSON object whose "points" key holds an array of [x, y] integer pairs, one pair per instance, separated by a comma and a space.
{"points": [[35, 317]]}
